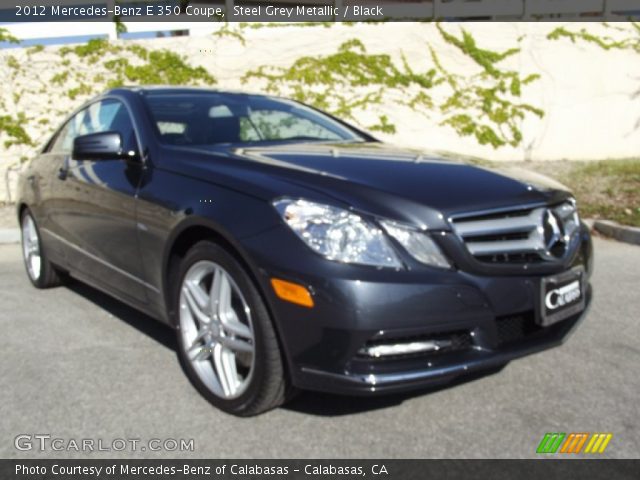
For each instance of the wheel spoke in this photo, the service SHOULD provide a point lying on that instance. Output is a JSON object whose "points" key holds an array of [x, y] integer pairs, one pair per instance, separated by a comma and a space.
{"points": [[234, 326], [224, 363], [220, 294], [194, 305], [236, 344], [198, 294]]}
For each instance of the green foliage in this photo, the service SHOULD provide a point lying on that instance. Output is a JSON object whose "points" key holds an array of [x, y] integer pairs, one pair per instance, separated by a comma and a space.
{"points": [[82, 89], [163, 67], [487, 59], [605, 42], [227, 31], [151, 67], [133, 64], [12, 128], [5, 36], [331, 82], [483, 105], [384, 125], [92, 50], [13, 63], [35, 49], [92, 67], [60, 78]]}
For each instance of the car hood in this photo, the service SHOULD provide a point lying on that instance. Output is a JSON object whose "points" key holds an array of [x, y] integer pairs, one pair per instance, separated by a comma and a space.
{"points": [[362, 174]]}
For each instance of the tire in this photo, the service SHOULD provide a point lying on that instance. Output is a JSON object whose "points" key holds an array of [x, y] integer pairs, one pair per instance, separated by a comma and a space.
{"points": [[41, 272], [227, 344]]}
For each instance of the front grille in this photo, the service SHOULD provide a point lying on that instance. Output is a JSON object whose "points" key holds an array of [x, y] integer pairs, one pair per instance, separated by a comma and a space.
{"points": [[456, 341], [524, 235], [515, 328]]}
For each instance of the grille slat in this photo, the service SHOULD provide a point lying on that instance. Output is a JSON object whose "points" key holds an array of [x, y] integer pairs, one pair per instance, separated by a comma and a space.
{"points": [[495, 226], [530, 244], [519, 235]]}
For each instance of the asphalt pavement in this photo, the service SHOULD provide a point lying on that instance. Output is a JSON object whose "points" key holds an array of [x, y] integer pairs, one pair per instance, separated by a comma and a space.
{"points": [[78, 365]]}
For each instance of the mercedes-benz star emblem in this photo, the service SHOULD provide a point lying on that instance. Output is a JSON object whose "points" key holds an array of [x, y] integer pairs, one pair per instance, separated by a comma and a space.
{"points": [[554, 237]]}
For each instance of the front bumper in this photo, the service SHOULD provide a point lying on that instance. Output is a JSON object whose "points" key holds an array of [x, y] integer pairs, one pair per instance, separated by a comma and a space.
{"points": [[437, 371], [491, 319]]}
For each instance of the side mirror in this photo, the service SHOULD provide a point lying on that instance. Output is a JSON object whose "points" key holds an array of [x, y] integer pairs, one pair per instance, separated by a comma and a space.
{"points": [[98, 146]]}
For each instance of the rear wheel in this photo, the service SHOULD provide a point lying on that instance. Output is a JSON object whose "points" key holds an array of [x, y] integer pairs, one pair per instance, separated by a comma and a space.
{"points": [[40, 271], [226, 340]]}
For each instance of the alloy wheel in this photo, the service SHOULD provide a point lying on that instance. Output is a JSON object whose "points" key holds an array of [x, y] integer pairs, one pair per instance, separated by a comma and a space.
{"points": [[216, 329], [31, 247]]}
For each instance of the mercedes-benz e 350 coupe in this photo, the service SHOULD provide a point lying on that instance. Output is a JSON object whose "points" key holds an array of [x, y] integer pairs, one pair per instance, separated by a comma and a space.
{"points": [[290, 250]]}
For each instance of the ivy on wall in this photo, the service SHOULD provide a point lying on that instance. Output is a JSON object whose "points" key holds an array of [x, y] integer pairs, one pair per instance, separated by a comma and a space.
{"points": [[606, 42], [150, 66], [5, 36], [340, 83], [484, 105], [87, 69], [13, 129]]}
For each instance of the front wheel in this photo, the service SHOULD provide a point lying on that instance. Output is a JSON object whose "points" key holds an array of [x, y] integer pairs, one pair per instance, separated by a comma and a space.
{"points": [[226, 340], [41, 272]]}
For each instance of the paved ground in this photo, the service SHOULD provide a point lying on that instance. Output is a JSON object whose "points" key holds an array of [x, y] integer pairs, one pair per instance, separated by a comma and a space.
{"points": [[76, 364]]}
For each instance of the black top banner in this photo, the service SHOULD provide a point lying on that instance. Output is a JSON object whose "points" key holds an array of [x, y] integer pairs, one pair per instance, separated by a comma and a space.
{"points": [[320, 469], [315, 10]]}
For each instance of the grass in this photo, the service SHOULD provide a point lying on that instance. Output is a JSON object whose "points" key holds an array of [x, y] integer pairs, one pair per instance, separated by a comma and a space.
{"points": [[607, 189]]}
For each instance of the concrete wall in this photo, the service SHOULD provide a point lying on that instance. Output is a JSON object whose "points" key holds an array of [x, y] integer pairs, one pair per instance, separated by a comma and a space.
{"points": [[591, 97]]}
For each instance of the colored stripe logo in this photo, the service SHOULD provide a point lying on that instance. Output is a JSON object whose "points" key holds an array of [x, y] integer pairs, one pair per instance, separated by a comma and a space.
{"points": [[574, 443]]}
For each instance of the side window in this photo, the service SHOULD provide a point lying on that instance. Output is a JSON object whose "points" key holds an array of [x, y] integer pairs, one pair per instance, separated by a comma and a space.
{"points": [[61, 139], [103, 116]]}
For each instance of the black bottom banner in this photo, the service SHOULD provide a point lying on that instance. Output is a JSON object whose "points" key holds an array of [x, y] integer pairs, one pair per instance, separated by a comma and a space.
{"points": [[544, 469]]}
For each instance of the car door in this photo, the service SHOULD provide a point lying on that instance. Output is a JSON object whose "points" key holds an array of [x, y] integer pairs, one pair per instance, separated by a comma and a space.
{"points": [[94, 203]]}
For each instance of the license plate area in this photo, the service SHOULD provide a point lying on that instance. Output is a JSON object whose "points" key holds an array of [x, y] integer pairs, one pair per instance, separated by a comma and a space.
{"points": [[561, 296]]}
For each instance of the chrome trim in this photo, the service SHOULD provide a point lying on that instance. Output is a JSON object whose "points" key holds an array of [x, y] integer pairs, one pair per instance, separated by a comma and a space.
{"points": [[100, 260], [543, 231]]}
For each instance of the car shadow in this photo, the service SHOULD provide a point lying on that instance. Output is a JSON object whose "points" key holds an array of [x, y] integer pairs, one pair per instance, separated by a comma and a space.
{"points": [[145, 324], [306, 402]]}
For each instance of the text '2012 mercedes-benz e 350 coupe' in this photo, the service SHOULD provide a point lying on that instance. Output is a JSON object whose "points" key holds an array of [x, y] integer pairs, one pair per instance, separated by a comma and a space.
{"points": [[290, 250]]}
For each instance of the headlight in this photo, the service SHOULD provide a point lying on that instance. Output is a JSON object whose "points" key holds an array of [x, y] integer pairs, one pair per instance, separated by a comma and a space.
{"points": [[337, 233], [418, 244]]}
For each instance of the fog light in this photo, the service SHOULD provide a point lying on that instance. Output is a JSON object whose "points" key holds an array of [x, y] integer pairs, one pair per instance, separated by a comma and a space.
{"points": [[404, 348], [292, 292]]}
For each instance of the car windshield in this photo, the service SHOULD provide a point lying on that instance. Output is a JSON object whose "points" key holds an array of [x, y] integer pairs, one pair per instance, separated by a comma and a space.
{"points": [[216, 118]]}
